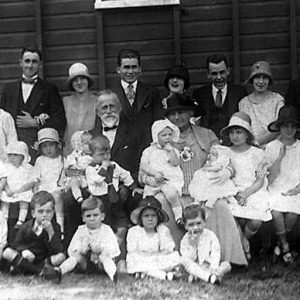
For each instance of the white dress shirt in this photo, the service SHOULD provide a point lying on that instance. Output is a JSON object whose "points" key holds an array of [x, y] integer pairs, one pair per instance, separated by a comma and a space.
{"points": [[224, 93], [27, 88]]}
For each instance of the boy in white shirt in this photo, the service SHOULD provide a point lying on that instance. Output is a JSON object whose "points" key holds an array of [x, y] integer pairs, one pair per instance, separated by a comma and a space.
{"points": [[200, 248], [93, 246]]}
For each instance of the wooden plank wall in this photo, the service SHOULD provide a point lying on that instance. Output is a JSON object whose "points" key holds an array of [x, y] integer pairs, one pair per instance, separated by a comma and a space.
{"points": [[69, 34]]}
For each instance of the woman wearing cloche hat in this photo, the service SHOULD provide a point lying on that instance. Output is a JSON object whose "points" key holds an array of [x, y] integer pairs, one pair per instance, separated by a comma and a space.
{"points": [[262, 105], [283, 155], [80, 106], [149, 244]]}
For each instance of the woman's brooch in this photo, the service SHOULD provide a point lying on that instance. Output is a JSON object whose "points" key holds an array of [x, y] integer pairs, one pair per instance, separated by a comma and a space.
{"points": [[186, 154]]}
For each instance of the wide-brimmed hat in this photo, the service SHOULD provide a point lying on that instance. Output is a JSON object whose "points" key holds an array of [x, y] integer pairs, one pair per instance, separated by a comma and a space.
{"points": [[183, 102], [260, 68], [78, 69], [286, 114], [19, 147], [180, 72], [239, 119], [47, 135], [149, 202]]}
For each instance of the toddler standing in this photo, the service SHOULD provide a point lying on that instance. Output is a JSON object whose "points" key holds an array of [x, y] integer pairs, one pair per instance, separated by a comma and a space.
{"points": [[76, 164], [284, 178], [203, 188], [159, 167], [49, 168], [200, 248], [149, 244], [17, 181], [93, 246]]}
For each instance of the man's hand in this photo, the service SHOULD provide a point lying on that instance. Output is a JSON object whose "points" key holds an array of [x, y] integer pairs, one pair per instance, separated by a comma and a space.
{"points": [[25, 120]]}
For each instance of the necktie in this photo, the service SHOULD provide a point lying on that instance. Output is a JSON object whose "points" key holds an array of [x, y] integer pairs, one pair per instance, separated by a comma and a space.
{"points": [[108, 174], [219, 99], [110, 128], [28, 80], [130, 94]]}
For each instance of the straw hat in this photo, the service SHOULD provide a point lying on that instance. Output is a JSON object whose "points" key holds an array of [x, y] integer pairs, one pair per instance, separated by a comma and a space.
{"points": [[286, 114], [260, 68], [47, 135], [183, 102], [19, 148], [239, 119], [179, 72], [78, 69], [149, 202]]}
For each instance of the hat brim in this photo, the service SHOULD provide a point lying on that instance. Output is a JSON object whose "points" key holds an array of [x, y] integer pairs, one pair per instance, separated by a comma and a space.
{"points": [[162, 215], [87, 76], [198, 110], [250, 78], [225, 132], [275, 126], [47, 140]]}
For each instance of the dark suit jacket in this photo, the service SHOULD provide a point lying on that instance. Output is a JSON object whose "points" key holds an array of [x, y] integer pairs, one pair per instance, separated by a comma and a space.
{"points": [[44, 98], [126, 147], [292, 95], [146, 109], [40, 245], [217, 118]]}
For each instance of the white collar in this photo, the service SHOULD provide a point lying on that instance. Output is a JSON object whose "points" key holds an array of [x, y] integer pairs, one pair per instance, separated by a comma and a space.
{"points": [[215, 90], [126, 84]]}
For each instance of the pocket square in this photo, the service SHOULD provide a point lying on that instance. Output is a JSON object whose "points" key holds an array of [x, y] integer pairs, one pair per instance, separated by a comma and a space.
{"points": [[125, 147], [146, 105]]}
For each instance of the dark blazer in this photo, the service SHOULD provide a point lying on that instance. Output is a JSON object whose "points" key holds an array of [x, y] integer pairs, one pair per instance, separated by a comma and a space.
{"points": [[126, 147], [40, 245], [146, 109], [44, 98], [217, 118], [292, 95]]}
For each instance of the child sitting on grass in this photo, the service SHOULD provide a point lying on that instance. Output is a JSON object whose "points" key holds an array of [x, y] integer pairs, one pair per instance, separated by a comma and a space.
{"points": [[149, 244], [200, 248], [94, 245], [159, 167], [38, 241]]}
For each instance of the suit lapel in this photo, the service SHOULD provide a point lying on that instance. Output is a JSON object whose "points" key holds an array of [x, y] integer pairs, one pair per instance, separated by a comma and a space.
{"points": [[140, 97], [16, 96], [119, 139]]}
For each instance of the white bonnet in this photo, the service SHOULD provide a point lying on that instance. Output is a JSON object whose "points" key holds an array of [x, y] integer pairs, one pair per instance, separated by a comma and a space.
{"points": [[160, 125]]}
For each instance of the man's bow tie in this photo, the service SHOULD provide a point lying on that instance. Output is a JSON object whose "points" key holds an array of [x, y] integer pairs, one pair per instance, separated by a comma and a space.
{"points": [[110, 128], [29, 80]]}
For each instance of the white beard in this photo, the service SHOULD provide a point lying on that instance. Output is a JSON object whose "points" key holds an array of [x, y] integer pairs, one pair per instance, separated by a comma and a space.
{"points": [[110, 121]]}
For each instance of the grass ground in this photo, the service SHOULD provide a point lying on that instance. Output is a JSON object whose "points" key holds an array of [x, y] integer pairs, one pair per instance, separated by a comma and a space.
{"points": [[262, 280]]}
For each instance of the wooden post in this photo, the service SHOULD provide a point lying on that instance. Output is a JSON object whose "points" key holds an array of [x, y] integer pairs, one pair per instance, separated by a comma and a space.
{"points": [[236, 40], [38, 30], [293, 38], [176, 34], [100, 50]]}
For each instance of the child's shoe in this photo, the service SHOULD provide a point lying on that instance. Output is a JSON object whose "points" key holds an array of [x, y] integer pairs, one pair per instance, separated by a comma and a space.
{"points": [[169, 276], [50, 273], [214, 279]]}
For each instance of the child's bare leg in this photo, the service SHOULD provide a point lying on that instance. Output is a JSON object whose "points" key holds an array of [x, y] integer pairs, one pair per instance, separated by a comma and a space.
{"points": [[59, 209], [70, 263], [195, 269], [22, 212], [57, 259], [5, 209], [75, 188], [159, 274], [173, 199], [108, 265]]}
